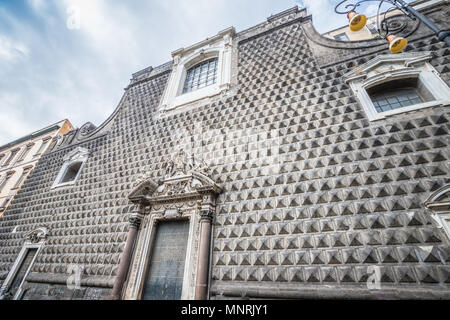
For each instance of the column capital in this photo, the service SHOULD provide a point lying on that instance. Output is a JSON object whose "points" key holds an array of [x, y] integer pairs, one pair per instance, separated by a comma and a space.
{"points": [[206, 215], [135, 221]]}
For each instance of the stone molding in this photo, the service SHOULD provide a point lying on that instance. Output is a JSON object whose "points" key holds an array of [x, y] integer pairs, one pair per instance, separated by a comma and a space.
{"points": [[37, 236]]}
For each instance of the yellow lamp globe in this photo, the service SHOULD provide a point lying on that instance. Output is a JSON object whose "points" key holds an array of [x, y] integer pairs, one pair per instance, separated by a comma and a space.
{"points": [[396, 44], [357, 21]]}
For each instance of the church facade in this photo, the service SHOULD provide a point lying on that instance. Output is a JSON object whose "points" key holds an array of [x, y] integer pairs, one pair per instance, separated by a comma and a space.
{"points": [[267, 163]]}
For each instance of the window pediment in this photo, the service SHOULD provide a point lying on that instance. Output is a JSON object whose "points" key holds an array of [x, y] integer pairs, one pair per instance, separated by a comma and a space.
{"points": [[77, 154], [385, 65]]}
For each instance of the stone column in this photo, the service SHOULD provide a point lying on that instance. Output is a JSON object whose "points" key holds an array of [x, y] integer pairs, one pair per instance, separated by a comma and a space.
{"points": [[201, 286], [125, 261]]}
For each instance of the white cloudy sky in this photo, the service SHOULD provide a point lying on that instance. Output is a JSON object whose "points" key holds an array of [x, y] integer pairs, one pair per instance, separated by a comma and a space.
{"points": [[49, 72]]}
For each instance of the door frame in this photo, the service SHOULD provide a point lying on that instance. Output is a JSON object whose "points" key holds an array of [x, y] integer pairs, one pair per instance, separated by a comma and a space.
{"points": [[181, 196], [34, 240]]}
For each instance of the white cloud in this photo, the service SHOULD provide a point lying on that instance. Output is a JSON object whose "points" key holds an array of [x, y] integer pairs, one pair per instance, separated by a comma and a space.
{"points": [[49, 72], [10, 50], [13, 124], [371, 10], [323, 15], [37, 4]]}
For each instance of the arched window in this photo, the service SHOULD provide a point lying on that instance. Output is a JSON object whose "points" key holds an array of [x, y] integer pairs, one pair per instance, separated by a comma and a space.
{"points": [[398, 94], [201, 75], [395, 83]]}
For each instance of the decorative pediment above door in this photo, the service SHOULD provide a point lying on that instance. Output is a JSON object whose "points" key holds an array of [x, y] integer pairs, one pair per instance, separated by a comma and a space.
{"points": [[182, 185]]}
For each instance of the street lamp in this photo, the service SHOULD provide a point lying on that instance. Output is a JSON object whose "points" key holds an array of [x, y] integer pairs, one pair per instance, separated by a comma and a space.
{"points": [[357, 21]]}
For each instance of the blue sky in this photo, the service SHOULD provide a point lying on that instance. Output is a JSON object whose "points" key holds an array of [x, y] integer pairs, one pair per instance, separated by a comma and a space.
{"points": [[51, 71]]}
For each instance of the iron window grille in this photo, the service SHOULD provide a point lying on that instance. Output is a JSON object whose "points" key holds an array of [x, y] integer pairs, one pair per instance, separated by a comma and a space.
{"points": [[394, 99], [201, 75], [398, 94]]}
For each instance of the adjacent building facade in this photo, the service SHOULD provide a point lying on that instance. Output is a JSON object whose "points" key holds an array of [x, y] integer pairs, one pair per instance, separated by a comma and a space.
{"points": [[18, 158], [272, 162]]}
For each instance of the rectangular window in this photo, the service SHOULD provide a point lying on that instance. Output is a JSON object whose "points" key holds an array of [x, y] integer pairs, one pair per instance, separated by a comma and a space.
{"points": [[11, 156], [21, 179], [5, 181], [71, 172], [4, 203], [341, 37], [24, 153], [42, 147], [395, 99], [22, 272], [372, 28], [398, 94]]}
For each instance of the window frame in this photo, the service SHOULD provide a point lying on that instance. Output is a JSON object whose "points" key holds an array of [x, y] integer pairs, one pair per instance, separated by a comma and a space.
{"points": [[22, 177], [42, 148], [9, 160], [66, 171], [220, 47], [338, 37], [5, 179], [392, 67], [4, 203], [77, 155], [25, 152]]}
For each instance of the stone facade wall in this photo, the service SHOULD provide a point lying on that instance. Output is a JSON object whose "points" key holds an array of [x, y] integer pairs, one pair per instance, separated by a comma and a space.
{"points": [[348, 194]]}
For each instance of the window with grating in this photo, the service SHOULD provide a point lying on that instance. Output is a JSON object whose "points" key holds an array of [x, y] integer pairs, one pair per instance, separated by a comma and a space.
{"points": [[398, 94], [201, 75], [394, 99]]}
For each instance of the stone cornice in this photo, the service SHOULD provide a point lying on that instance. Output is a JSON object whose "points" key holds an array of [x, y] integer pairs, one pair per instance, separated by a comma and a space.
{"points": [[406, 59], [183, 51]]}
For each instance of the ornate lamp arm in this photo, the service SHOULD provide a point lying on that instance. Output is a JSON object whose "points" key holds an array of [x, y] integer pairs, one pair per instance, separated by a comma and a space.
{"points": [[443, 35], [352, 6]]}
